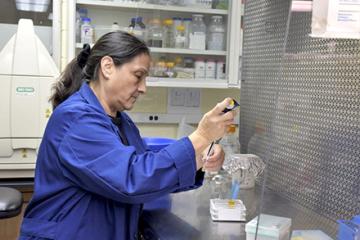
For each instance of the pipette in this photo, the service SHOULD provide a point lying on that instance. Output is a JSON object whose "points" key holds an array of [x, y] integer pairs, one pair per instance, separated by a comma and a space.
{"points": [[233, 104]]}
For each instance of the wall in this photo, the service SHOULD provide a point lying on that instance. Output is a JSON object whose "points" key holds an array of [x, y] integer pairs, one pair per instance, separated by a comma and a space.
{"points": [[155, 101]]}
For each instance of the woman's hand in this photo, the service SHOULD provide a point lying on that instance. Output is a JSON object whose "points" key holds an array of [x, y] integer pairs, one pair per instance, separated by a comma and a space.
{"points": [[211, 128], [215, 161]]}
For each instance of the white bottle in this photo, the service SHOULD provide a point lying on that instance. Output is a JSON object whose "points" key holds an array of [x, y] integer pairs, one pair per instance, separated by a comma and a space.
{"points": [[210, 67], [220, 70], [216, 37], [87, 31], [200, 68], [198, 33]]}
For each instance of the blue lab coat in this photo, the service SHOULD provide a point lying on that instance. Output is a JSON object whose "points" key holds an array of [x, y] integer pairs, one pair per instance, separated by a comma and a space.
{"points": [[89, 185]]}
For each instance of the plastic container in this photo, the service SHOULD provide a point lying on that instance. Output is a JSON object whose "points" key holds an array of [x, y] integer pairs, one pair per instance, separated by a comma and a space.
{"points": [[220, 70], [270, 228], [309, 235], [156, 144], [349, 230], [198, 33], [87, 31], [216, 37], [210, 69], [200, 68]]}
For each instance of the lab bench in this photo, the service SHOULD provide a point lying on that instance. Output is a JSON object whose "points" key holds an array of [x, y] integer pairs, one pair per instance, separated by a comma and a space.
{"points": [[189, 216]]}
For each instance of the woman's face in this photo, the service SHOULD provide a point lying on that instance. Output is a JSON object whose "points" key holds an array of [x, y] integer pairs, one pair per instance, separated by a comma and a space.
{"points": [[127, 82]]}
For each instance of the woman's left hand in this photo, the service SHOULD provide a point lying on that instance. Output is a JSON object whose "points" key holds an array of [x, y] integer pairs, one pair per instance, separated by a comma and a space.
{"points": [[216, 160]]}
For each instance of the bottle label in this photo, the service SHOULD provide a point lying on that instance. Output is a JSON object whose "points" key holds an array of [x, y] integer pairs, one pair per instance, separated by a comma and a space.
{"points": [[197, 40]]}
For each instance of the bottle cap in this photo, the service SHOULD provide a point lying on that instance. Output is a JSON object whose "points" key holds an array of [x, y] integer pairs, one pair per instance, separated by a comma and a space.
{"points": [[170, 64], [180, 28], [168, 22], [86, 19], [231, 128]]}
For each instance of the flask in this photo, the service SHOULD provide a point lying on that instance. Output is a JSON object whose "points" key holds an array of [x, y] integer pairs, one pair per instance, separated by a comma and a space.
{"points": [[87, 31], [198, 33], [216, 37]]}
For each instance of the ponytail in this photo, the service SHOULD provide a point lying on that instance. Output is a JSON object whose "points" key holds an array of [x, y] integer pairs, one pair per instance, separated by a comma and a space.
{"points": [[122, 47], [71, 79]]}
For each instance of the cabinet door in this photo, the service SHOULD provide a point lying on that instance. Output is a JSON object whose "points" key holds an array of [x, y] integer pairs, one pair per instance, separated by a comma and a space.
{"points": [[104, 13]]}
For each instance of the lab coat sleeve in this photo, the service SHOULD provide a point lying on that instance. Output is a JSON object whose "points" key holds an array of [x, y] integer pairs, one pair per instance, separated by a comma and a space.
{"points": [[92, 157]]}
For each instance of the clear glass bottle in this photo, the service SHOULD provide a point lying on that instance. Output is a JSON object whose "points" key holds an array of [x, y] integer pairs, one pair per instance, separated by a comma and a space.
{"points": [[80, 14], [198, 32], [187, 24], [216, 35], [137, 27], [155, 33], [230, 142], [170, 71], [168, 33], [180, 37], [87, 31]]}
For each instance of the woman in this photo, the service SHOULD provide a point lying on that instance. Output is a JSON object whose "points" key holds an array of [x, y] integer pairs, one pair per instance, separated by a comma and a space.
{"points": [[93, 172]]}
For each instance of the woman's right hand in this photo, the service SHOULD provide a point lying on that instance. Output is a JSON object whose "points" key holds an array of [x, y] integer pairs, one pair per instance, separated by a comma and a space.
{"points": [[212, 126]]}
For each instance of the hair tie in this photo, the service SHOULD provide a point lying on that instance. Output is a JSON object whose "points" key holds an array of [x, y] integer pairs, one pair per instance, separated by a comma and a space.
{"points": [[83, 56]]}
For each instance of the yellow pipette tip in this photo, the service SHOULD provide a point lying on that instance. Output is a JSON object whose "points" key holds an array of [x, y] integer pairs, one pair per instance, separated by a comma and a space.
{"points": [[231, 203]]}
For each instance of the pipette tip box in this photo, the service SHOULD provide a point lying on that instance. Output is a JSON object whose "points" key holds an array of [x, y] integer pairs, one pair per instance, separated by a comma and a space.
{"points": [[227, 210]]}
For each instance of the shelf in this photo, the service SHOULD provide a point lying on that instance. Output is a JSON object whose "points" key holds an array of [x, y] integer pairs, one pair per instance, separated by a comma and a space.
{"points": [[154, 7], [178, 51], [187, 83], [188, 51]]}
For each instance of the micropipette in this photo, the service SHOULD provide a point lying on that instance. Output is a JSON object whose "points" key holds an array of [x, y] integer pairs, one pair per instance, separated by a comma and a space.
{"points": [[233, 104]]}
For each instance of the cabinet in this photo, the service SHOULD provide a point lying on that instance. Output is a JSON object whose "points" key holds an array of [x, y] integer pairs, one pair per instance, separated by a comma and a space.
{"points": [[104, 13]]}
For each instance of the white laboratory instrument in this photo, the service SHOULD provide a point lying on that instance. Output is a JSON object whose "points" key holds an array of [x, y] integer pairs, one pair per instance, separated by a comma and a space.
{"points": [[27, 73]]}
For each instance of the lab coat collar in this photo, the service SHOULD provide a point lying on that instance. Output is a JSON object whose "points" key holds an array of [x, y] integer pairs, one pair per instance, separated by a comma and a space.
{"points": [[87, 93]]}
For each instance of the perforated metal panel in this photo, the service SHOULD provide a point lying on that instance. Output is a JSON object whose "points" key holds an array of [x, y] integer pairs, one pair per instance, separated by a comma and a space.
{"points": [[300, 111]]}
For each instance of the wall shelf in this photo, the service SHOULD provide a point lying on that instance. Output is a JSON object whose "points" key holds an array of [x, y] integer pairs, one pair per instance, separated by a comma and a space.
{"points": [[179, 51], [187, 83], [152, 7]]}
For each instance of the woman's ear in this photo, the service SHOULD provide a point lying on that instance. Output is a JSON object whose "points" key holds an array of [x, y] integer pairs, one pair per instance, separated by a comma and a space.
{"points": [[106, 66]]}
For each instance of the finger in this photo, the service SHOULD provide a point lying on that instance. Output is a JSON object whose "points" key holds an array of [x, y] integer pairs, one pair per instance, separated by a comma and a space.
{"points": [[218, 109]]}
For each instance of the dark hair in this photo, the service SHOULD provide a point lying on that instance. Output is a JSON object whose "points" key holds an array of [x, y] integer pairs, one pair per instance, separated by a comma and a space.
{"points": [[122, 47]]}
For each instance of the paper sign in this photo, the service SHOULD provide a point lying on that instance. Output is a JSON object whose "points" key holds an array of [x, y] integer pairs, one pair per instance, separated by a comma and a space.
{"points": [[336, 19]]}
